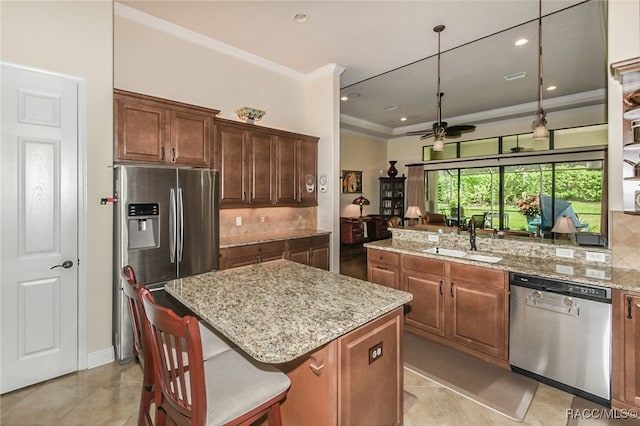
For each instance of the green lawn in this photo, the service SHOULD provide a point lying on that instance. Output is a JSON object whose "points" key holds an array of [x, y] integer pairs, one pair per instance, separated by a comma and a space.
{"points": [[587, 213]]}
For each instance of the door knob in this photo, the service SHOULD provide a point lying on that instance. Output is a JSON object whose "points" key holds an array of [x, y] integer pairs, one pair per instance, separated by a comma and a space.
{"points": [[66, 265]]}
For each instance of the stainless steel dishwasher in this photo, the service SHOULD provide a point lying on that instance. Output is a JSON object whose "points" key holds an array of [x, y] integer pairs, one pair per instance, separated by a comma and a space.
{"points": [[560, 334]]}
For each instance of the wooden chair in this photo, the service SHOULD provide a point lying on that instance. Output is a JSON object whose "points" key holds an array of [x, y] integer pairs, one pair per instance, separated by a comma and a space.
{"points": [[228, 389], [212, 344]]}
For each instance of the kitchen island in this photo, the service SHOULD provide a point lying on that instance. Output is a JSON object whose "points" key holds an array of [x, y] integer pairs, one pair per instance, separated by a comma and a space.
{"points": [[337, 338]]}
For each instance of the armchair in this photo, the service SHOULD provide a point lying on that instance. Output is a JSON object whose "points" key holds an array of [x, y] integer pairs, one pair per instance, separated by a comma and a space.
{"points": [[351, 231], [377, 228]]}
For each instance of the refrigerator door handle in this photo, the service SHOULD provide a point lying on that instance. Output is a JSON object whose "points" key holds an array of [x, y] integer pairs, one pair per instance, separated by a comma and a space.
{"points": [[180, 242], [172, 226]]}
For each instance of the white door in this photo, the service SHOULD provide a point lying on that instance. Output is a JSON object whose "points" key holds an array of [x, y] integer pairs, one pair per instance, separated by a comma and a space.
{"points": [[39, 219]]}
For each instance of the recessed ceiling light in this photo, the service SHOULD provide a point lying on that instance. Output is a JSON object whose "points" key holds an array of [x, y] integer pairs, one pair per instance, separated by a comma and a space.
{"points": [[521, 42], [391, 108], [550, 88], [353, 95], [403, 118], [344, 98], [301, 18], [515, 76]]}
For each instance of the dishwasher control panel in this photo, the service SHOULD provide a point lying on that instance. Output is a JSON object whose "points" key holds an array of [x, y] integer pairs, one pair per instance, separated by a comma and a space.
{"points": [[585, 291]]}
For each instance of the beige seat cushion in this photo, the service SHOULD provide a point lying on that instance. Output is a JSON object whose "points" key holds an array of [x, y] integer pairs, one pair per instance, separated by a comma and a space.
{"points": [[212, 342], [236, 384]]}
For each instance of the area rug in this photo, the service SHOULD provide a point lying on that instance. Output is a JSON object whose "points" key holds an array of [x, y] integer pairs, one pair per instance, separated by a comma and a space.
{"points": [[501, 390], [588, 413]]}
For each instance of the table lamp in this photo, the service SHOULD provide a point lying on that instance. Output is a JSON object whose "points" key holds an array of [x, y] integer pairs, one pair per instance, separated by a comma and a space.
{"points": [[362, 202], [564, 226], [413, 212]]}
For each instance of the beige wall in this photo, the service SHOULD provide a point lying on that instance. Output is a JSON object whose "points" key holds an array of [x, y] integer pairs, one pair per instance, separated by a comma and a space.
{"points": [[74, 38], [359, 152]]}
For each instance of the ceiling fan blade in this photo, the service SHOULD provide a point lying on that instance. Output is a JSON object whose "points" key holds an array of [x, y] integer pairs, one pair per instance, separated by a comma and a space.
{"points": [[449, 134], [426, 135], [462, 128], [417, 132]]}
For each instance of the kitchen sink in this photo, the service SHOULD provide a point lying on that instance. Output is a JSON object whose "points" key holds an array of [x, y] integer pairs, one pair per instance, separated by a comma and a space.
{"points": [[462, 254]]}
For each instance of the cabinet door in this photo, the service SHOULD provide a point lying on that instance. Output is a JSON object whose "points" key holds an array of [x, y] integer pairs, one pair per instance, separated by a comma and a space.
{"points": [[320, 257], [141, 133], [632, 349], [383, 274], [260, 168], [477, 317], [286, 190], [370, 387], [300, 256], [190, 137], [307, 169], [426, 310], [229, 156]]}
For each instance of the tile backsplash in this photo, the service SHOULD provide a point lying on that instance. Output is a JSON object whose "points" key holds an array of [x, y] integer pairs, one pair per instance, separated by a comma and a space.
{"points": [[268, 219], [625, 240]]}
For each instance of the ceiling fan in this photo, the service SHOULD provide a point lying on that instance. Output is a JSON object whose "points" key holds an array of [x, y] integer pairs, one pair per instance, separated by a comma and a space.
{"points": [[441, 128]]}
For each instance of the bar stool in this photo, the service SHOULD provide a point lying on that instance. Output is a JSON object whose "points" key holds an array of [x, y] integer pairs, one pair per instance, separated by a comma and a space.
{"points": [[228, 389]]}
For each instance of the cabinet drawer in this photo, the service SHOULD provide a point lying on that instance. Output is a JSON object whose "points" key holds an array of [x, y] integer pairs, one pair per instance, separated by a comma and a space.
{"points": [[307, 242], [475, 274], [381, 256], [423, 264], [256, 249]]}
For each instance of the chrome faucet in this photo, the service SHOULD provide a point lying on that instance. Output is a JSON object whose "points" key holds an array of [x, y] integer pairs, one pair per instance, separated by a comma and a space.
{"points": [[472, 234]]}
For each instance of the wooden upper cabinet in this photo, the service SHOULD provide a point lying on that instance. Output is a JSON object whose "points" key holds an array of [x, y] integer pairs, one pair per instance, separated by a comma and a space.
{"points": [[155, 130], [260, 166]]}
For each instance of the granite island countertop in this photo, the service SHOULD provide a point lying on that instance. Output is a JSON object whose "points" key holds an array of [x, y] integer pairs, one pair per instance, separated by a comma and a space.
{"points": [[280, 310], [265, 237], [596, 274]]}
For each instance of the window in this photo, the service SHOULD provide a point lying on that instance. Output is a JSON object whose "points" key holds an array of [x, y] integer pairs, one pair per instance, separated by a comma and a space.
{"points": [[525, 191]]}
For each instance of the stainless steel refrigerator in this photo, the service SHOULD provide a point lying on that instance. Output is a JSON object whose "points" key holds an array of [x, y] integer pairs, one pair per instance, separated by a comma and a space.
{"points": [[165, 226]]}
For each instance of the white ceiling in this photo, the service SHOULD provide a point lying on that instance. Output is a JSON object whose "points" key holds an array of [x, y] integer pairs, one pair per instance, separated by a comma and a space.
{"points": [[369, 38]]}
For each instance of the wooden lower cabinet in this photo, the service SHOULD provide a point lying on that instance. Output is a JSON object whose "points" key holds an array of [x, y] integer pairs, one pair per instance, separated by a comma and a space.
{"points": [[383, 268], [312, 251], [340, 383], [478, 311], [232, 257], [425, 279], [459, 305], [625, 379]]}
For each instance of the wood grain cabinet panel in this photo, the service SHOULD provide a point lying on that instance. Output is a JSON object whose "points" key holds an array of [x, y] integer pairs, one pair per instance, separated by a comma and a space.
{"points": [[383, 268], [313, 251], [425, 279], [625, 378], [232, 257], [154, 130]]}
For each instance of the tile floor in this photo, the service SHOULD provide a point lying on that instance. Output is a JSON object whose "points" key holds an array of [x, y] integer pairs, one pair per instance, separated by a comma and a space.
{"points": [[109, 395]]}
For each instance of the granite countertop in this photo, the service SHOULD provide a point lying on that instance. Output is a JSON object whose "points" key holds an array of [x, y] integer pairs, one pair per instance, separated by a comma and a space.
{"points": [[280, 310], [247, 239], [595, 274]]}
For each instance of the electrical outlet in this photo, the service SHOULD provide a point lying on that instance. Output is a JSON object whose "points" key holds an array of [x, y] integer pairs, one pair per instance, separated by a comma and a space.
{"points": [[564, 269], [594, 256], [261, 219], [433, 238], [238, 220], [375, 352], [596, 273], [561, 252]]}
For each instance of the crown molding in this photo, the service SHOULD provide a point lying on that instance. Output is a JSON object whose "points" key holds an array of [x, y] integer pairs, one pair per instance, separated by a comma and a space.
{"points": [[178, 31]]}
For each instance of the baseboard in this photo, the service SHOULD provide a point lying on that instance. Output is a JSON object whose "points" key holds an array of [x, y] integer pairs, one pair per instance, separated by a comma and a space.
{"points": [[102, 357]]}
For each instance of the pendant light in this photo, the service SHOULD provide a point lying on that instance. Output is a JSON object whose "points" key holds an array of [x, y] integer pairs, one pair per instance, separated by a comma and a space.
{"points": [[438, 130], [540, 130]]}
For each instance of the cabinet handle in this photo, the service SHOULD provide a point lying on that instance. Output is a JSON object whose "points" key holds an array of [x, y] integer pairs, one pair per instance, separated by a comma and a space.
{"points": [[244, 197], [381, 267], [162, 153], [451, 288], [317, 364], [441, 284], [311, 252], [173, 155], [629, 301]]}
